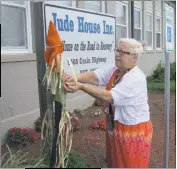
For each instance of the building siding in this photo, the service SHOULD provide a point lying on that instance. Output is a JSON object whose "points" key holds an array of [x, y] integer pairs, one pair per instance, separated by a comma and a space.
{"points": [[19, 94], [158, 6], [149, 61], [148, 6], [138, 4]]}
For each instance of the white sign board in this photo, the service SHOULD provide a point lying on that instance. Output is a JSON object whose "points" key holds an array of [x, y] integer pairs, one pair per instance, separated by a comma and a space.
{"points": [[89, 38], [169, 24]]}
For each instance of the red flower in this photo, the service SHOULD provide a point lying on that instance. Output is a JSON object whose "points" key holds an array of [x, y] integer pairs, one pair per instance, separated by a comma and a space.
{"points": [[98, 125]]}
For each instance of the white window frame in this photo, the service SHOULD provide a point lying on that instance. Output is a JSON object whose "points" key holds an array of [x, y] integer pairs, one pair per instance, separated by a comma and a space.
{"points": [[140, 10], [125, 26], [8, 50], [149, 47], [159, 33]]}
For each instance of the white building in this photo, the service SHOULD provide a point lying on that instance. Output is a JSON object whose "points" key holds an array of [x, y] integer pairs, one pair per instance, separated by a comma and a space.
{"points": [[20, 99]]}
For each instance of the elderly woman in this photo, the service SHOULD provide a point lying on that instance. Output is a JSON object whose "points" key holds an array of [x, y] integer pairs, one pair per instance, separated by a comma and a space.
{"points": [[128, 124]]}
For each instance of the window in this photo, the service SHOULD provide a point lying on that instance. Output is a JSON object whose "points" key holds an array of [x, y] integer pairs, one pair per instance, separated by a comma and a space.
{"points": [[148, 30], [137, 24], [121, 21], [93, 5], [158, 33], [16, 32]]}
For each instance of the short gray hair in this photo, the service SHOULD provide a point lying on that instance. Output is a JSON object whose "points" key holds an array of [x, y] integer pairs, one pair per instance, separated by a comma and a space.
{"points": [[136, 47]]}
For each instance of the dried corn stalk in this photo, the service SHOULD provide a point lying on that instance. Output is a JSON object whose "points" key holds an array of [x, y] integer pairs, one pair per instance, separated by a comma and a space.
{"points": [[55, 85]]}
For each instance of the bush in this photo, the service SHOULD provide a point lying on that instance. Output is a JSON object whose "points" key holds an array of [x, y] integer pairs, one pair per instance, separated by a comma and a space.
{"points": [[75, 160], [173, 71], [75, 121], [21, 136], [78, 112], [38, 124], [159, 73], [98, 102]]}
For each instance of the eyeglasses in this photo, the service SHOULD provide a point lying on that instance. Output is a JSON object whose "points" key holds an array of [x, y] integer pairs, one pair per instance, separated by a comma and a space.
{"points": [[121, 53]]}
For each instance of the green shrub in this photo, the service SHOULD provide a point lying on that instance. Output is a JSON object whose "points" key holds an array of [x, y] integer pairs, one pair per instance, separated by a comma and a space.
{"points": [[173, 71], [38, 124], [75, 160], [156, 80], [21, 136], [159, 73]]}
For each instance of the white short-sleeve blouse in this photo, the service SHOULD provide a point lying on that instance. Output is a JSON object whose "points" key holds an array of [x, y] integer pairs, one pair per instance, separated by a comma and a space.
{"points": [[129, 95]]}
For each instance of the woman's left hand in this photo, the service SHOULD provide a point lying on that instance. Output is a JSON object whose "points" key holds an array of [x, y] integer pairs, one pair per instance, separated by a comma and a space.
{"points": [[72, 88], [70, 84]]}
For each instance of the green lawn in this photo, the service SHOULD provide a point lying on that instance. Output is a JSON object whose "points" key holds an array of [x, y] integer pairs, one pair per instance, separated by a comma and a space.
{"points": [[159, 86]]}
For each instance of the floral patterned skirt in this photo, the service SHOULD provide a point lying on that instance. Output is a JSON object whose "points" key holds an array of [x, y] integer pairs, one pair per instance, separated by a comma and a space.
{"points": [[128, 146]]}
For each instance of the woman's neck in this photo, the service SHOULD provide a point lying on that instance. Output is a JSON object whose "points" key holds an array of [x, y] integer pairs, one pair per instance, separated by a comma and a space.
{"points": [[123, 70]]}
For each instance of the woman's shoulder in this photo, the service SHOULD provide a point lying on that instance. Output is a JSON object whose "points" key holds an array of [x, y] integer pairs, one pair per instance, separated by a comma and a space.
{"points": [[135, 75], [138, 72]]}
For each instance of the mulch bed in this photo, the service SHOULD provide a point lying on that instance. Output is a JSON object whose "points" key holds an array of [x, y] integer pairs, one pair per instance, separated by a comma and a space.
{"points": [[90, 143]]}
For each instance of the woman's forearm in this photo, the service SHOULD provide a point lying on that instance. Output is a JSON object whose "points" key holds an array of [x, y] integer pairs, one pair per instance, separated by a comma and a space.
{"points": [[88, 77], [96, 92]]}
